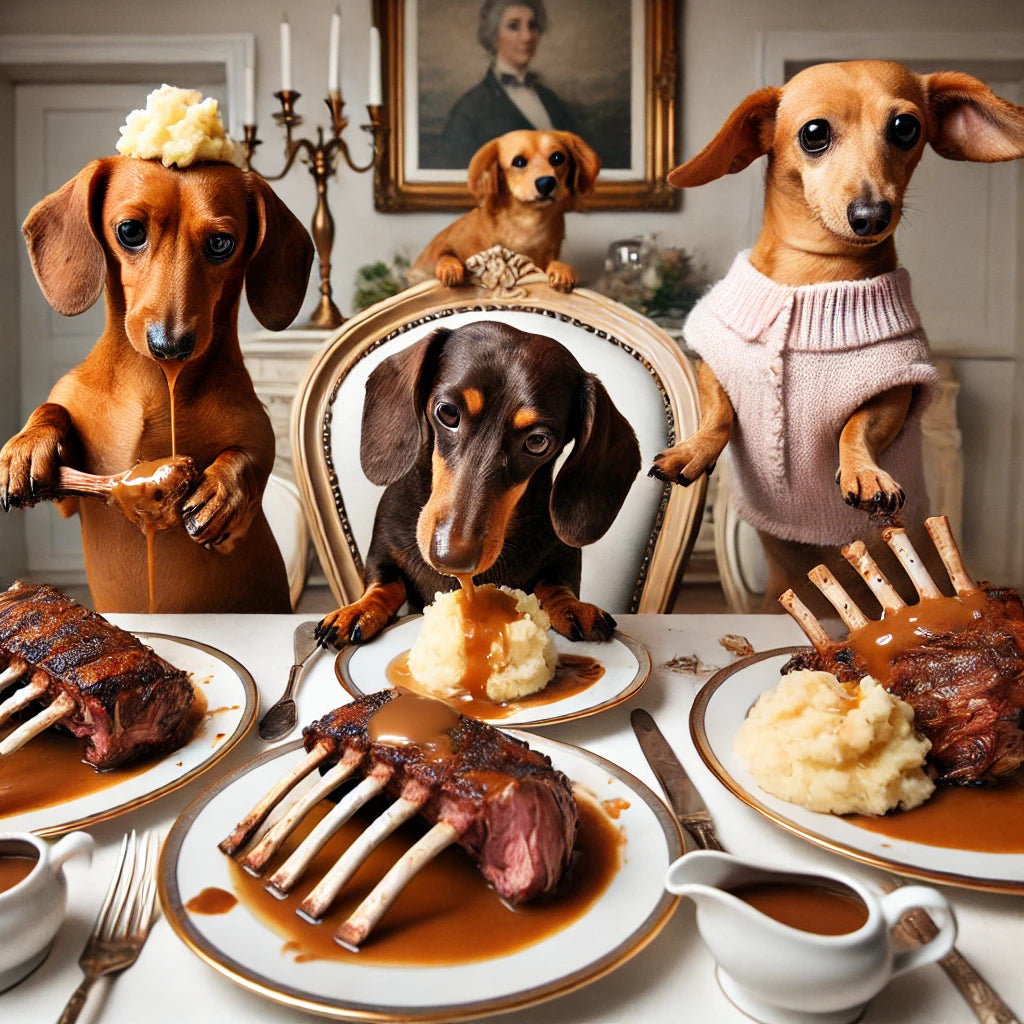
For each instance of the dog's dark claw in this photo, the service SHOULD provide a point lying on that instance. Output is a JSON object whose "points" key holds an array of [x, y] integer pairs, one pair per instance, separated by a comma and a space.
{"points": [[355, 635], [683, 480]]}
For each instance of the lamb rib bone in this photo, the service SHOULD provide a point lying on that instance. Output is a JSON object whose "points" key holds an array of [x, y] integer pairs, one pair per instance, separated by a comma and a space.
{"points": [[315, 905], [837, 596], [903, 549], [245, 829], [23, 697], [282, 881], [805, 619], [256, 859], [942, 537], [857, 555], [353, 932], [50, 715]]}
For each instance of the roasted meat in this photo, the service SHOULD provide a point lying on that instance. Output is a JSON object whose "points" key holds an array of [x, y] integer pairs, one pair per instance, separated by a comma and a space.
{"points": [[957, 660], [502, 802], [109, 688]]}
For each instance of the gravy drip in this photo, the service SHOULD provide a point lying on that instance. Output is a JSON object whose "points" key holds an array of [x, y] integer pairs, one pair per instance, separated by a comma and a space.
{"points": [[881, 641], [412, 719], [486, 611], [446, 915], [171, 371], [50, 769], [212, 901], [989, 819], [15, 869], [816, 908]]}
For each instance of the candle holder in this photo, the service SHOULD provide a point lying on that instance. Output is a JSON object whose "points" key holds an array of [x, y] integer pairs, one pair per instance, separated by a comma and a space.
{"points": [[322, 156]]}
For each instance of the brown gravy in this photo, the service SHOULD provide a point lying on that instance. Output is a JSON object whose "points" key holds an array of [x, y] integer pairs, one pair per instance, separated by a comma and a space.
{"points": [[879, 642], [14, 869], [50, 769], [212, 901], [446, 915], [410, 718], [574, 673], [820, 909], [989, 819]]}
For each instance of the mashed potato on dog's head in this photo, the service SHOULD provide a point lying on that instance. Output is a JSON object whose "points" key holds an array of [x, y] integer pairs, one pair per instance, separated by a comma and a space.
{"points": [[521, 657], [178, 127], [832, 748]]}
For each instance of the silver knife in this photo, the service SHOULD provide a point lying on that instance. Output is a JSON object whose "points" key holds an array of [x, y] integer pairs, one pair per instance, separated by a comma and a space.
{"points": [[689, 808], [682, 794]]}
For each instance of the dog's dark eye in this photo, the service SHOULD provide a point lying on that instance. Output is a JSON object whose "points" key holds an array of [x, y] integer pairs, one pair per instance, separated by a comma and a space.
{"points": [[219, 247], [447, 414], [904, 131], [815, 136], [537, 443], [131, 234], [519, 161], [556, 159]]}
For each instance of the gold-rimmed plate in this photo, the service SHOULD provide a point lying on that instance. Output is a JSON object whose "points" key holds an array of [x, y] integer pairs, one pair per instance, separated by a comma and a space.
{"points": [[627, 665], [627, 915], [231, 702], [718, 712]]}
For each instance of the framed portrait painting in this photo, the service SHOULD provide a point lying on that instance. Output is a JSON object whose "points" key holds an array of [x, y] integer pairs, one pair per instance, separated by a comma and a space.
{"points": [[460, 72]]}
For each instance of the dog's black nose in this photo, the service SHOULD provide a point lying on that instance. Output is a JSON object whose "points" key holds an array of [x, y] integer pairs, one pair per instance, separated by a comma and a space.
{"points": [[546, 185], [166, 346], [453, 552], [869, 218]]}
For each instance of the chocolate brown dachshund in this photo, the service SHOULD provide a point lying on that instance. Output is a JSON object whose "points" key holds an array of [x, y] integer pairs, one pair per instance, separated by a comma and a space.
{"points": [[464, 428]]}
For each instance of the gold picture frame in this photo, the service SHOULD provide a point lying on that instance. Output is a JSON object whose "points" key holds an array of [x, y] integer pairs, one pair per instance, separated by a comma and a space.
{"points": [[650, 64]]}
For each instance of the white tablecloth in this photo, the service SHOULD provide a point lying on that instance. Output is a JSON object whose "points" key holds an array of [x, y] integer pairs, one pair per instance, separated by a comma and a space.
{"points": [[671, 980]]}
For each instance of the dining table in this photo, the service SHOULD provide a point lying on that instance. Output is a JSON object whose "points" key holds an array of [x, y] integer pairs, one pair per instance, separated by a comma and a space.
{"points": [[670, 978]]}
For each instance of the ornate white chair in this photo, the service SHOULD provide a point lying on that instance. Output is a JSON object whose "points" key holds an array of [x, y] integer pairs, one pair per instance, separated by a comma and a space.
{"points": [[636, 566]]}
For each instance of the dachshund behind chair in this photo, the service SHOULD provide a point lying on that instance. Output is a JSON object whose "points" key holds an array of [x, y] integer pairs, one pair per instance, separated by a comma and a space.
{"points": [[813, 351], [523, 181], [464, 428], [174, 248]]}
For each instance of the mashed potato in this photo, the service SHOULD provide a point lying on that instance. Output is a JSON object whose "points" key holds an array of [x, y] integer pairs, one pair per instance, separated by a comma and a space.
{"points": [[178, 127], [521, 659], [828, 747]]}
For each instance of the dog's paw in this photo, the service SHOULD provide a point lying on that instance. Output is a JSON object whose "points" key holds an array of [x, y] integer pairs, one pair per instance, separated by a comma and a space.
{"points": [[363, 619], [687, 461], [216, 515], [871, 489], [450, 271], [573, 618], [29, 462], [561, 276]]}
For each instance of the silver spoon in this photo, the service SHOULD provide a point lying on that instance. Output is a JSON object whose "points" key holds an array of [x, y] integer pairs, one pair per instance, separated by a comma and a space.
{"points": [[281, 718]]}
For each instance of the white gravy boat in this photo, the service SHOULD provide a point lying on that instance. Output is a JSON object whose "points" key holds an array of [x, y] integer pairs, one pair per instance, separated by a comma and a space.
{"points": [[31, 912], [779, 974]]}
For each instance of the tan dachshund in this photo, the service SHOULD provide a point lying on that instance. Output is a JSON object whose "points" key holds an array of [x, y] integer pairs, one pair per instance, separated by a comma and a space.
{"points": [[173, 249], [842, 141], [524, 181]]}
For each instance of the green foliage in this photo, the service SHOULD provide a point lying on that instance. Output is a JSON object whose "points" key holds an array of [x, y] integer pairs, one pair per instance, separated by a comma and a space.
{"points": [[378, 281]]}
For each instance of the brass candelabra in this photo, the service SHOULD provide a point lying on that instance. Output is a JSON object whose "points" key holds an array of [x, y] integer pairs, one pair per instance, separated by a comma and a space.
{"points": [[322, 157]]}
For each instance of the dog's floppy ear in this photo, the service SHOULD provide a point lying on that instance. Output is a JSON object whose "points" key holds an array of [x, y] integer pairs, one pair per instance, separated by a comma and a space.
{"points": [[968, 120], [278, 270], [585, 163], [394, 420], [63, 238], [484, 177], [745, 136], [595, 479]]}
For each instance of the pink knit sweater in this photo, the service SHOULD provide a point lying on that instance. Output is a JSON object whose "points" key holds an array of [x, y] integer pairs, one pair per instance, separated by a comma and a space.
{"points": [[796, 362]]}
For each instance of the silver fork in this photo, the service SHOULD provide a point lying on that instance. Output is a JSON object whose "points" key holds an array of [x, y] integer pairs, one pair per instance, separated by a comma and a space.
{"points": [[123, 921]]}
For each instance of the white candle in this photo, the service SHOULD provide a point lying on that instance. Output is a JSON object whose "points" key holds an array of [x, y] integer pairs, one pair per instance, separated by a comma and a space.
{"points": [[375, 99], [334, 69], [250, 95], [286, 55]]}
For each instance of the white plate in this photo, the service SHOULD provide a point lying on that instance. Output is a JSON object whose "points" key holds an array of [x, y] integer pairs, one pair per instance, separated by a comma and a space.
{"points": [[363, 669], [629, 913], [715, 718], [231, 700]]}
